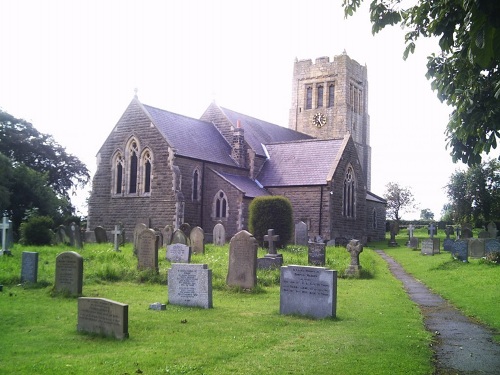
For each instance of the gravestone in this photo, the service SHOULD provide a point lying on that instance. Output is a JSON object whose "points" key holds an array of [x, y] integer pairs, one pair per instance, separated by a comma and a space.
{"points": [[491, 245], [147, 250], [168, 231], [394, 232], [272, 259], [411, 229], [476, 247], [413, 244], [69, 273], [75, 236], [483, 234], [448, 244], [29, 267], [458, 232], [449, 231], [316, 253], [429, 246], [123, 237], [116, 237], [62, 235], [197, 239], [242, 268], [139, 228], [492, 229], [179, 237], [431, 230], [190, 285], [301, 236], [219, 235], [186, 228], [100, 235], [6, 230], [466, 231], [103, 317], [178, 253], [308, 291], [460, 250], [354, 247]]}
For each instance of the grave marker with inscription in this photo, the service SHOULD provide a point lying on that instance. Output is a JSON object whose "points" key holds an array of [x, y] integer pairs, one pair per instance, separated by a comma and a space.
{"points": [[29, 267], [308, 291], [448, 244], [476, 247], [147, 250], [242, 269], [180, 237], [103, 317], [301, 237], [219, 235], [178, 253], [139, 228], [197, 239], [69, 273], [190, 285], [491, 245], [316, 253], [429, 246], [461, 250]]}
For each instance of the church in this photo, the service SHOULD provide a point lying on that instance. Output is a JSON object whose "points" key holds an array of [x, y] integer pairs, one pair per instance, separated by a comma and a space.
{"points": [[161, 168]]}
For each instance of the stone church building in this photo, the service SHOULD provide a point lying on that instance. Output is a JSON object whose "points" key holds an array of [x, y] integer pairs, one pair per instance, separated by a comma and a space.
{"points": [[163, 168]]}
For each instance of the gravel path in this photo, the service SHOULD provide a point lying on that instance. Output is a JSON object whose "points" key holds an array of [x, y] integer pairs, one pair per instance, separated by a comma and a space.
{"points": [[461, 346]]}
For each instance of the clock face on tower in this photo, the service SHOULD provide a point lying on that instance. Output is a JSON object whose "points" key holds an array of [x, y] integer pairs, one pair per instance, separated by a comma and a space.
{"points": [[319, 119]]}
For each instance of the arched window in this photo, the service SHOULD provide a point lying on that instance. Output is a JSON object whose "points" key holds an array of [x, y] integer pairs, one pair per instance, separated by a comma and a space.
{"points": [[220, 205], [320, 96], [133, 159], [374, 215], [146, 161], [309, 97], [331, 95], [196, 184], [349, 194], [118, 173]]}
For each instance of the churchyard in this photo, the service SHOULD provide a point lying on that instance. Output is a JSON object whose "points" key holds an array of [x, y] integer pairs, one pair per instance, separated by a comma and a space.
{"points": [[376, 328]]}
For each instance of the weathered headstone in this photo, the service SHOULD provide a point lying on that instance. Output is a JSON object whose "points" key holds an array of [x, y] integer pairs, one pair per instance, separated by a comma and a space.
{"points": [[448, 244], [147, 250], [476, 247], [168, 231], [413, 244], [449, 231], [301, 236], [190, 285], [394, 231], [491, 245], [100, 235], [139, 228], [466, 231], [219, 235], [242, 269], [178, 253], [116, 237], [180, 237], [460, 250], [186, 228], [354, 247], [429, 246], [197, 239], [103, 317], [69, 273], [308, 291], [316, 253], [75, 236], [492, 229], [29, 267], [62, 235], [483, 234]]}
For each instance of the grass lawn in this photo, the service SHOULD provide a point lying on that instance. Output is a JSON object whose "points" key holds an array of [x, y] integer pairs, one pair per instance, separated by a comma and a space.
{"points": [[378, 330], [473, 287]]}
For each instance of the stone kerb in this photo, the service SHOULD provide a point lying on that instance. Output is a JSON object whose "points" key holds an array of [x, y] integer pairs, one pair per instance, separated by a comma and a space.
{"points": [[103, 317], [190, 285], [69, 273], [308, 291]]}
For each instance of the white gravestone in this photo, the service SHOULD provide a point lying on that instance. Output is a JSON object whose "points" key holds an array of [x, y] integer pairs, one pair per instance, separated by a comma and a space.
{"points": [[190, 285], [5, 226], [178, 253]]}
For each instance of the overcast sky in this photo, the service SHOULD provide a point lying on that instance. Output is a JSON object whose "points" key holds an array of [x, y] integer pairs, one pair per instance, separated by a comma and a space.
{"points": [[71, 67]]}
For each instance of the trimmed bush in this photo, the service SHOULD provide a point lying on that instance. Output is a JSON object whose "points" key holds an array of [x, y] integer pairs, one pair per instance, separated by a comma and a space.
{"points": [[37, 231], [271, 212]]}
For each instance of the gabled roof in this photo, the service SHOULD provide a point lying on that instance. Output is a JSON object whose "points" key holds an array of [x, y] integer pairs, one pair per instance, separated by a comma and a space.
{"points": [[259, 132], [300, 163], [374, 198], [191, 137], [244, 184]]}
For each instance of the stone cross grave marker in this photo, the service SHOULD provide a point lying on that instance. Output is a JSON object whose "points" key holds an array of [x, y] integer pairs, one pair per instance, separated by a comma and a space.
{"points": [[411, 228], [197, 239], [180, 237], [271, 238], [178, 253], [476, 247], [308, 291], [29, 267], [432, 230], [272, 259], [147, 250], [219, 235], [103, 317], [116, 233], [242, 268], [458, 232], [316, 253], [461, 250], [190, 285], [354, 247], [69, 273], [100, 235], [301, 237], [5, 226]]}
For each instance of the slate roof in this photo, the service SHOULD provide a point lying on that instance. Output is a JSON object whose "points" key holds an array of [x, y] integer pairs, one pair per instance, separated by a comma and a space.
{"points": [[375, 198], [259, 132], [300, 163], [191, 137], [244, 184]]}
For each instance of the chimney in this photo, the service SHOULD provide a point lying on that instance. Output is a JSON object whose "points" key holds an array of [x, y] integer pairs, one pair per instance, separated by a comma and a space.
{"points": [[239, 149]]}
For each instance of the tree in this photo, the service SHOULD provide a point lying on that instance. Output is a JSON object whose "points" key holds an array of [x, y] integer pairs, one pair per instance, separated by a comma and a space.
{"points": [[399, 199], [23, 144], [465, 73], [474, 194], [426, 214]]}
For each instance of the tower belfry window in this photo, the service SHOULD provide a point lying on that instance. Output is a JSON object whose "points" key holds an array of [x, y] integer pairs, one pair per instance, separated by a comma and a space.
{"points": [[331, 95], [309, 97], [320, 96]]}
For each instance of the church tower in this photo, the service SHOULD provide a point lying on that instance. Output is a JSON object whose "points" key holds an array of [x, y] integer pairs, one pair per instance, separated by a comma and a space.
{"points": [[330, 100]]}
